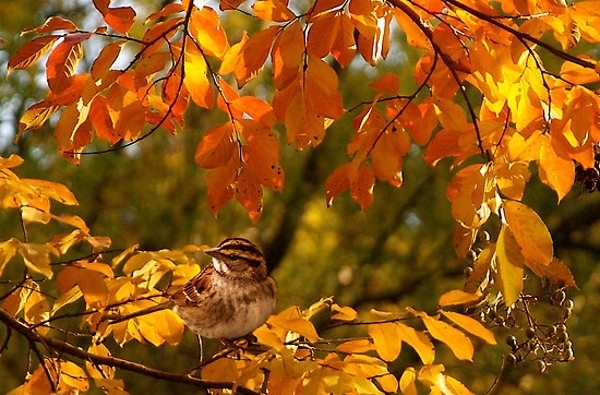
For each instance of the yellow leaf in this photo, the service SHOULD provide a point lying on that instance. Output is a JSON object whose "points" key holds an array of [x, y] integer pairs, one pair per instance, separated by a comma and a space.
{"points": [[206, 28], [269, 337], [456, 387], [387, 382], [196, 79], [432, 375], [37, 308], [72, 377], [556, 170], [458, 342], [556, 272], [529, 231], [470, 325], [387, 340], [53, 190], [37, 257], [509, 264], [407, 381], [272, 10], [419, 341], [359, 346], [8, 249], [291, 320], [458, 297], [343, 313], [31, 214], [221, 370], [169, 326], [451, 115]]}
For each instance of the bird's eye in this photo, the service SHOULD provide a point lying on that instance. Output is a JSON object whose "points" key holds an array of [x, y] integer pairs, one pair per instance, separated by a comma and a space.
{"points": [[234, 257]]}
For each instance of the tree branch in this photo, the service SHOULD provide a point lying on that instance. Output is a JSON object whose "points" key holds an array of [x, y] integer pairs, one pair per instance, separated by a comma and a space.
{"points": [[66, 348]]}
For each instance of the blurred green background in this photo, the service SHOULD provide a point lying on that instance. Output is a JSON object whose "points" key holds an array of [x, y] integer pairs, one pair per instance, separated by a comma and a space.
{"points": [[397, 253]]}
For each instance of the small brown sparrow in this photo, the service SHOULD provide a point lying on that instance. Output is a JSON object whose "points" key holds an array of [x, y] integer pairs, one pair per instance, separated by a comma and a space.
{"points": [[229, 298]]}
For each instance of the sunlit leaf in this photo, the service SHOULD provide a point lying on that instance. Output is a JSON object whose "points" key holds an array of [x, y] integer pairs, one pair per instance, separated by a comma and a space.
{"points": [[529, 231], [556, 272], [407, 381], [470, 325], [419, 341], [387, 340], [509, 264], [31, 51], [458, 342], [272, 10], [205, 26], [458, 297], [119, 18], [290, 319], [71, 375], [355, 346], [53, 23], [343, 313]]}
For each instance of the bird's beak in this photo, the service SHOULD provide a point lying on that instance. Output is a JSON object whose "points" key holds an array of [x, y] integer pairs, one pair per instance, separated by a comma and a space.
{"points": [[214, 252]]}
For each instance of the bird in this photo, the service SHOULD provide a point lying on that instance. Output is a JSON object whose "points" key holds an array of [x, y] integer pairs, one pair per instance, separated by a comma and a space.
{"points": [[231, 297]]}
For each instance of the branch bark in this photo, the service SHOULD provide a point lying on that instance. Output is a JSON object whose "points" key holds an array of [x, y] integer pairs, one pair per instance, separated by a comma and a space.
{"points": [[65, 348]]}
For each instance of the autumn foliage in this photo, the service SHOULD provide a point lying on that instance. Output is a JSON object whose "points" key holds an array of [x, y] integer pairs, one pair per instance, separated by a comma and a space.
{"points": [[486, 97]]}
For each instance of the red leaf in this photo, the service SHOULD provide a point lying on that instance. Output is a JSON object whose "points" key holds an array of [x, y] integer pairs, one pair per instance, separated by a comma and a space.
{"points": [[62, 61], [53, 23], [30, 52], [119, 18]]}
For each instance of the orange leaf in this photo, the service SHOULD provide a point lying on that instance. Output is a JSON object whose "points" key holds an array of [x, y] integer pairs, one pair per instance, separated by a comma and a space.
{"points": [[251, 55], [355, 346], [61, 62], [30, 52], [248, 192], [418, 341], [388, 83], [216, 148], [458, 297], [53, 23], [119, 18], [509, 264], [220, 183], [387, 341], [261, 154], [196, 79], [470, 325], [361, 188], [257, 109], [414, 33], [102, 122], [36, 115], [529, 231], [105, 60], [272, 10], [556, 272], [450, 115], [291, 320], [556, 170], [336, 183], [407, 382], [206, 28], [126, 111], [458, 342]]}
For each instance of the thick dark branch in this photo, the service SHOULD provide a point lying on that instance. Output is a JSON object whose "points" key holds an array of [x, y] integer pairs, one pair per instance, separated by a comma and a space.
{"points": [[65, 348]]}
